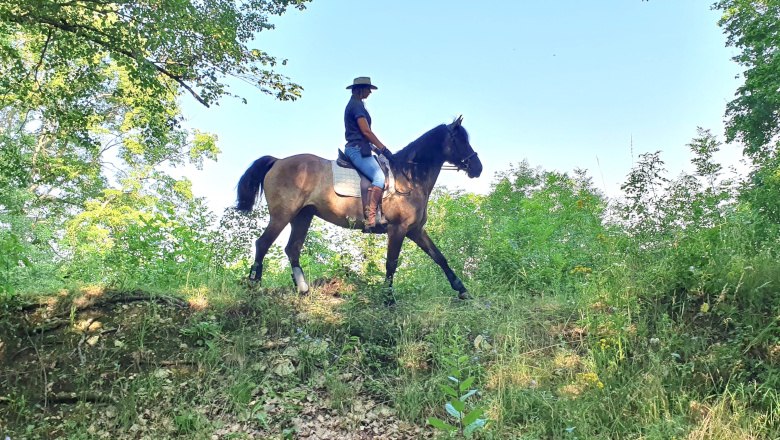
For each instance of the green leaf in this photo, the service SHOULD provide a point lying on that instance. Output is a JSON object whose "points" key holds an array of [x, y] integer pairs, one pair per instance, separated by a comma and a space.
{"points": [[752, 115], [452, 411], [458, 404], [478, 424], [440, 424], [449, 390], [467, 395], [472, 416], [466, 383]]}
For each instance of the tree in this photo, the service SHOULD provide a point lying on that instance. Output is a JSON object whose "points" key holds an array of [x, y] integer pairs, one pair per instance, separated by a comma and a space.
{"points": [[753, 27], [80, 77], [195, 44], [89, 112]]}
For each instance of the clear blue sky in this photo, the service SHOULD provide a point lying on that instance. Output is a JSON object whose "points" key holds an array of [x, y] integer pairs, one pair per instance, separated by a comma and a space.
{"points": [[562, 84]]}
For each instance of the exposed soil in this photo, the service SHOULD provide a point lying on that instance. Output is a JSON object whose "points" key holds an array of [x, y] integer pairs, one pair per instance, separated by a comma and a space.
{"points": [[131, 365]]}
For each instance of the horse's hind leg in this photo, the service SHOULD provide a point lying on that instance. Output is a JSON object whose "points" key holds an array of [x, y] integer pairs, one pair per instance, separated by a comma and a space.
{"points": [[275, 227], [299, 228]]}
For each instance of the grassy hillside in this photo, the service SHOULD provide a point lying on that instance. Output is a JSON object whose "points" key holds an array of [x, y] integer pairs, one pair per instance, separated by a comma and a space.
{"points": [[653, 318]]}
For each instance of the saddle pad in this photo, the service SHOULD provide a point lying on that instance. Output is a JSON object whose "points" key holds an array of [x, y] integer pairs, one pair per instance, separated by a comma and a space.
{"points": [[346, 181]]}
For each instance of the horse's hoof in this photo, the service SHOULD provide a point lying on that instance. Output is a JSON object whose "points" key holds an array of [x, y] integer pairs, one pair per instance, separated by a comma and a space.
{"points": [[252, 286], [389, 294], [464, 296], [248, 282], [300, 281]]}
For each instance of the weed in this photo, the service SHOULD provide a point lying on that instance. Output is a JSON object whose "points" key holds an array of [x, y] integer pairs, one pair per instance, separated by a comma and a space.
{"points": [[467, 418], [189, 422]]}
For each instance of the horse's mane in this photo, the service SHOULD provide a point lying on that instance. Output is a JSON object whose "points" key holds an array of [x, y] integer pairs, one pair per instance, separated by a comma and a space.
{"points": [[418, 155]]}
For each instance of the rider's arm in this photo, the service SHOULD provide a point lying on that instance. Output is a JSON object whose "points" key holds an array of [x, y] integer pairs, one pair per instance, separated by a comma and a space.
{"points": [[366, 130]]}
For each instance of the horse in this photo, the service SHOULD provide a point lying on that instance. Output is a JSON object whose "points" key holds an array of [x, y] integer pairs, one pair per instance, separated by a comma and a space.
{"points": [[299, 187]]}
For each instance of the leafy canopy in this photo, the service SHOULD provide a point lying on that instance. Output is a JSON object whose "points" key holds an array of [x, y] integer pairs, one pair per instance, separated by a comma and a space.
{"points": [[194, 44], [90, 123], [753, 27]]}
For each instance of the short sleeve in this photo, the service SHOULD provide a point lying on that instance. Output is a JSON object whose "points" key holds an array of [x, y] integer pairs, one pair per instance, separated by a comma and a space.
{"points": [[359, 111]]}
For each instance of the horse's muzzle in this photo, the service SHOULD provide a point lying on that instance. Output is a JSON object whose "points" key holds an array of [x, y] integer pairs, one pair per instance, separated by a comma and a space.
{"points": [[474, 167]]}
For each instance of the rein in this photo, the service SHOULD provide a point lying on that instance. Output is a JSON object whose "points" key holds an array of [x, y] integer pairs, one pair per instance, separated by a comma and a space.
{"points": [[461, 165], [443, 167]]}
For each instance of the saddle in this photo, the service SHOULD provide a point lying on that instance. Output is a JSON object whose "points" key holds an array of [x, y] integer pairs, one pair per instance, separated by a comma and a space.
{"points": [[343, 162]]}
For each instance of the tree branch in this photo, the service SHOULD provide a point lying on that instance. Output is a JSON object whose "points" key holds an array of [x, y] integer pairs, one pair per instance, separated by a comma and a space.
{"points": [[74, 28], [43, 55]]}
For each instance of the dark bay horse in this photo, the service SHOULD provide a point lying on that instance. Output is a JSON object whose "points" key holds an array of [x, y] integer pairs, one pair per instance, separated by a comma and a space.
{"points": [[299, 187]]}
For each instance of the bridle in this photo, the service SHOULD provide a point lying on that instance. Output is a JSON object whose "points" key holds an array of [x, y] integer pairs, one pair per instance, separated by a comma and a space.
{"points": [[463, 164]]}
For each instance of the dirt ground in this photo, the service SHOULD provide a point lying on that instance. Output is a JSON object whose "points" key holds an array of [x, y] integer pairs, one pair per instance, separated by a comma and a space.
{"points": [[129, 365]]}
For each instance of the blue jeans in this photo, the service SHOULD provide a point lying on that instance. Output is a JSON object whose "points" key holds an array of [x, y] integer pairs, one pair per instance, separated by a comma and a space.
{"points": [[366, 165]]}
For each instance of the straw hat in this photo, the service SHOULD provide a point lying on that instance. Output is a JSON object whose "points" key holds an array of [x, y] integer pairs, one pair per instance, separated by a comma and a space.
{"points": [[362, 81]]}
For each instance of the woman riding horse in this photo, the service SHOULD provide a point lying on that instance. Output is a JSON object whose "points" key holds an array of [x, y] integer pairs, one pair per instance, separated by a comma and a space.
{"points": [[299, 187], [360, 138]]}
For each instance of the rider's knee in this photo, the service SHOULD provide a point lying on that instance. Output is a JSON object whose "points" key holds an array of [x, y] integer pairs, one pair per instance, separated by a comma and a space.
{"points": [[379, 180]]}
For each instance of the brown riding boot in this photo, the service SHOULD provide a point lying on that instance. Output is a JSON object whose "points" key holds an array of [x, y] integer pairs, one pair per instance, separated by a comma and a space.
{"points": [[374, 198]]}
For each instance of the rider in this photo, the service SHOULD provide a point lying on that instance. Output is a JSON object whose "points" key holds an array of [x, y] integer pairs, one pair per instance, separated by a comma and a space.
{"points": [[360, 141]]}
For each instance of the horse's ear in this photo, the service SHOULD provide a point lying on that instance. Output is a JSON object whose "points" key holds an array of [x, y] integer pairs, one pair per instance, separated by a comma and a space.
{"points": [[458, 121]]}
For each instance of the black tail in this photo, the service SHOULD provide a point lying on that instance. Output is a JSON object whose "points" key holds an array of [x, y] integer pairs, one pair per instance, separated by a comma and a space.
{"points": [[251, 183]]}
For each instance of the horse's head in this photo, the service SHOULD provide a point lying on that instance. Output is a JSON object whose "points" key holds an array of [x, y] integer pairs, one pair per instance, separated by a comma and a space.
{"points": [[458, 150]]}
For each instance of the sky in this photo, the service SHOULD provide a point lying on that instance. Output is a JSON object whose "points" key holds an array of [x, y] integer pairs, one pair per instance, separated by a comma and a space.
{"points": [[561, 84]]}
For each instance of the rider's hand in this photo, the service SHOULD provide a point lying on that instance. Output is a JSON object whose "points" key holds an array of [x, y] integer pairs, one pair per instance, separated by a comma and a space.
{"points": [[386, 152]]}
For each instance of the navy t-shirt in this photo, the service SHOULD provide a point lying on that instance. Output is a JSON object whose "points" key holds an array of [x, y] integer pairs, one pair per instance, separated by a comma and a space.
{"points": [[355, 110]]}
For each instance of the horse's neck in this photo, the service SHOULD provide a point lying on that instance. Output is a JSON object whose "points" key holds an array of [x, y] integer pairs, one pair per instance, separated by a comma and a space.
{"points": [[437, 161], [431, 169], [431, 176]]}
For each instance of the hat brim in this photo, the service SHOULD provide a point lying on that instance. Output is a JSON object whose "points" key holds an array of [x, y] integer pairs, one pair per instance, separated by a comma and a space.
{"points": [[370, 86]]}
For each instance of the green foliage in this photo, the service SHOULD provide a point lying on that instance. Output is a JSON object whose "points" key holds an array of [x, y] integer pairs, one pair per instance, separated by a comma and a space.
{"points": [[188, 422], [542, 230], [11, 255], [650, 317], [202, 332], [236, 234], [754, 115], [537, 231], [761, 192], [141, 236], [666, 301], [643, 193], [467, 418], [90, 122], [696, 269], [157, 44]]}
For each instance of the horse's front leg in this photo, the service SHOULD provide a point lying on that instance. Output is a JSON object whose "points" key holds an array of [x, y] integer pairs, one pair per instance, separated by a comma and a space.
{"points": [[426, 244], [395, 239]]}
